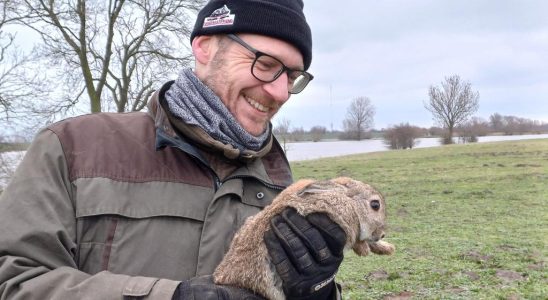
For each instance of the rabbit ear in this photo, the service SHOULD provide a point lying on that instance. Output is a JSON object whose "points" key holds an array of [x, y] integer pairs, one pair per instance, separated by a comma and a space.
{"points": [[296, 187], [312, 189], [317, 188]]}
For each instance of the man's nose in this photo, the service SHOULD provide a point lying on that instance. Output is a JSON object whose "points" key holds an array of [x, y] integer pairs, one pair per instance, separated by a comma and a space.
{"points": [[278, 89]]}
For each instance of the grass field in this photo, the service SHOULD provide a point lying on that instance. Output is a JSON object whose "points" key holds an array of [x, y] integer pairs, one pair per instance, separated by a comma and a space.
{"points": [[469, 221]]}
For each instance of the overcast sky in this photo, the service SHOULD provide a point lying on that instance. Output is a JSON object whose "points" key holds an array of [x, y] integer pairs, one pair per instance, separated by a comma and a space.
{"points": [[391, 51]]}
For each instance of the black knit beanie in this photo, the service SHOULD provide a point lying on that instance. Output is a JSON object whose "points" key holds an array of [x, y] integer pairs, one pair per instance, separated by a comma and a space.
{"points": [[281, 19]]}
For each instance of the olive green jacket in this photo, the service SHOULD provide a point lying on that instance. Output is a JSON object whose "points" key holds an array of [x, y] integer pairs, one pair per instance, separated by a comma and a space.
{"points": [[111, 205]]}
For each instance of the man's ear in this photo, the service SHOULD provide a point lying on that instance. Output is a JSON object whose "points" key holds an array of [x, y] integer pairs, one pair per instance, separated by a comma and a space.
{"points": [[204, 47]]}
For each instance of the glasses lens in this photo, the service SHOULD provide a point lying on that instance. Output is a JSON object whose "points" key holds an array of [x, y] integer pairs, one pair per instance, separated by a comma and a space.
{"points": [[267, 68], [298, 81]]}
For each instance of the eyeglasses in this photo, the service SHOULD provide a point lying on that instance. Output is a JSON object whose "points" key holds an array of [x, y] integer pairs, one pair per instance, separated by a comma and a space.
{"points": [[267, 68]]}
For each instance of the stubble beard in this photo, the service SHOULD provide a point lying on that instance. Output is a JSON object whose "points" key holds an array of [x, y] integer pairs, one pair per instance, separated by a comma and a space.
{"points": [[220, 86]]}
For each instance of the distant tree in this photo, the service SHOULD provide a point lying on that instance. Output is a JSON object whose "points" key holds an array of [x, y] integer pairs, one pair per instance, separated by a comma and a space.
{"points": [[516, 125], [452, 104], [436, 131], [359, 118], [402, 136], [318, 132], [298, 134], [472, 129], [475, 127], [112, 51], [540, 126], [510, 125], [526, 125], [281, 131], [496, 122]]}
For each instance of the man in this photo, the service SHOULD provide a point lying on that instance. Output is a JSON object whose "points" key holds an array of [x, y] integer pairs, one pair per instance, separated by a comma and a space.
{"points": [[113, 206]]}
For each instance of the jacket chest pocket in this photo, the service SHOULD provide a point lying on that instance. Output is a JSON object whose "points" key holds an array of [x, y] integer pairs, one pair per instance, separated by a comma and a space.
{"points": [[249, 195], [256, 197], [147, 229]]}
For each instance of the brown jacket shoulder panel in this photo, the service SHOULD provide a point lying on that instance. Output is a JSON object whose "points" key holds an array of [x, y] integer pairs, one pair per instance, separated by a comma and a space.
{"points": [[122, 147]]}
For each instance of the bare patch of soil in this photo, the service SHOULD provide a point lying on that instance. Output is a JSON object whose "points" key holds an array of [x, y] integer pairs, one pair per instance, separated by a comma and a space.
{"points": [[377, 275], [506, 247], [508, 276], [405, 295], [513, 297], [539, 266], [471, 275], [440, 271], [477, 257], [527, 165]]}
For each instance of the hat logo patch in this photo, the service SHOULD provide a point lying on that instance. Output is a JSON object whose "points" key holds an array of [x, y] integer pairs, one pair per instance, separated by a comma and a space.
{"points": [[220, 17]]}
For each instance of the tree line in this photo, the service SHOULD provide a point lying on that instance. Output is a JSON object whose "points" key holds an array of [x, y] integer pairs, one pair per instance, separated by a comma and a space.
{"points": [[452, 105], [404, 135]]}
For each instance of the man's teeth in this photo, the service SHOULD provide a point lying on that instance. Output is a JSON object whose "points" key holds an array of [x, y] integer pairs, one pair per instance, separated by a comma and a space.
{"points": [[257, 105]]}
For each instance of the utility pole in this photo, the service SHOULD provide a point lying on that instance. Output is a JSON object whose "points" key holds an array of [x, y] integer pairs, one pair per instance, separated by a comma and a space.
{"points": [[331, 107]]}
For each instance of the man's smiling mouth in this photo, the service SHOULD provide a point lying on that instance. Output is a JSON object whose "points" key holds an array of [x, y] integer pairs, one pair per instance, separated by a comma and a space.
{"points": [[257, 105]]}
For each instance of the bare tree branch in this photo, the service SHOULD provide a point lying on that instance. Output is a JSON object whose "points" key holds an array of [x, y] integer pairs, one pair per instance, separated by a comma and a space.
{"points": [[281, 131], [359, 118], [107, 42], [18, 82]]}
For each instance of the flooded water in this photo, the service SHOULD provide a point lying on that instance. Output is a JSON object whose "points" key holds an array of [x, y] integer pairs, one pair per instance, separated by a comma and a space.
{"points": [[313, 150]]}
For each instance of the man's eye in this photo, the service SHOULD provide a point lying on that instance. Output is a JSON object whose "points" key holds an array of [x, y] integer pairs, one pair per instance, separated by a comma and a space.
{"points": [[267, 63], [264, 65]]}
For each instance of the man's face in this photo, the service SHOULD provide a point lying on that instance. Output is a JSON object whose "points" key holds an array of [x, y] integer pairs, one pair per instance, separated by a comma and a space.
{"points": [[252, 102]]}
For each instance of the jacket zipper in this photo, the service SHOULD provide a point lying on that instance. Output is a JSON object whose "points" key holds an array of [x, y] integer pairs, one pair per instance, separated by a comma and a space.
{"points": [[191, 150], [216, 180]]}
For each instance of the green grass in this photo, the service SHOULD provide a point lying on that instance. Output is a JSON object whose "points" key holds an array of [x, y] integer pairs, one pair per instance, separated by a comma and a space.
{"points": [[469, 221], [4, 147]]}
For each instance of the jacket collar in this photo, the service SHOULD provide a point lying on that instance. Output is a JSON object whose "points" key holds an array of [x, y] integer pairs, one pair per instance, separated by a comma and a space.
{"points": [[172, 125], [171, 131]]}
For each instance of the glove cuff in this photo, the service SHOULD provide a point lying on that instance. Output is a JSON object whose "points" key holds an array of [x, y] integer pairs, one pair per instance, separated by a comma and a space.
{"points": [[327, 292]]}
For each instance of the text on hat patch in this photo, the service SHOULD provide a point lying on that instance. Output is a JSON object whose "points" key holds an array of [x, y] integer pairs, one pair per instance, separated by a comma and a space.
{"points": [[219, 17]]}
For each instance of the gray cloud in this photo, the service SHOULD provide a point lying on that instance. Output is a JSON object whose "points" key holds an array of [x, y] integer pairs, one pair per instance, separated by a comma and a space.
{"points": [[392, 51]]}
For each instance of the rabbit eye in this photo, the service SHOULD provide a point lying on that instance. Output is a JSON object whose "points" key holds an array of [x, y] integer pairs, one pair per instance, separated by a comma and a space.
{"points": [[375, 204]]}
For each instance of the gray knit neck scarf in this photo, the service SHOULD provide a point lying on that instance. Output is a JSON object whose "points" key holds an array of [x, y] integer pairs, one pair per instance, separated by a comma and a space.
{"points": [[193, 102]]}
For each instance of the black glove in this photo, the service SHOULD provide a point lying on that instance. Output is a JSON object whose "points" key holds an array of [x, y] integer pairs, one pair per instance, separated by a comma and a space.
{"points": [[306, 252], [203, 288]]}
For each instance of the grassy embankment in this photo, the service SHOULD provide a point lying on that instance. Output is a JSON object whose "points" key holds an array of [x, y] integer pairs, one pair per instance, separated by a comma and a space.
{"points": [[5, 147], [468, 221]]}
